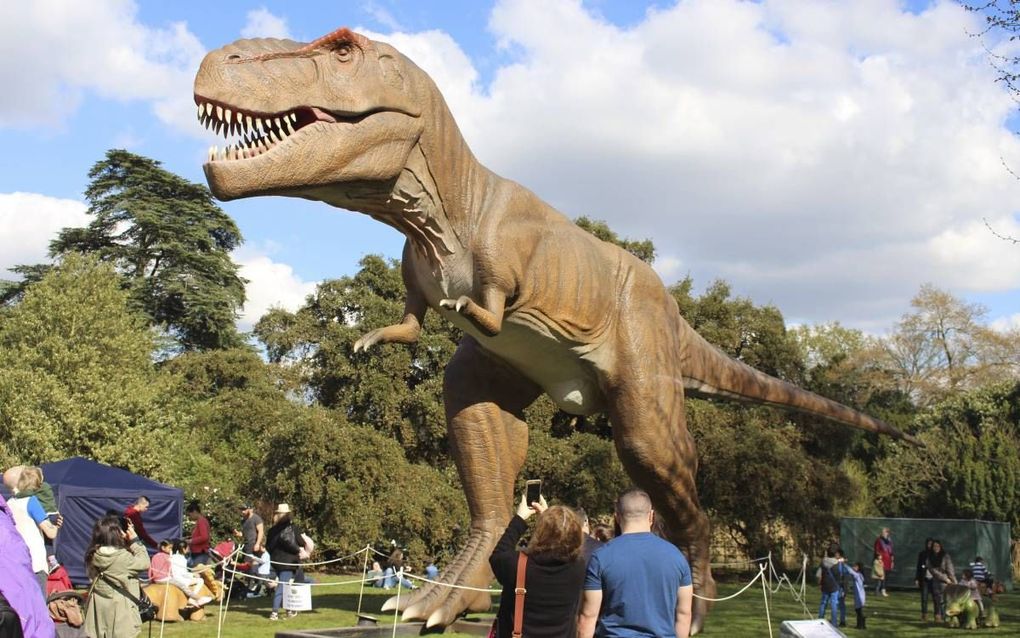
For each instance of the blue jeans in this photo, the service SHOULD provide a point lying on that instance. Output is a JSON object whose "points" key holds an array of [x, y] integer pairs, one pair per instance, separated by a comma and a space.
{"points": [[282, 576], [926, 592], [391, 577], [833, 601], [842, 608]]}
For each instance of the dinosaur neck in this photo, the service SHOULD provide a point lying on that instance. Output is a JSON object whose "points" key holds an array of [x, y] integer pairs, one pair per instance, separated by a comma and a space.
{"points": [[440, 195]]}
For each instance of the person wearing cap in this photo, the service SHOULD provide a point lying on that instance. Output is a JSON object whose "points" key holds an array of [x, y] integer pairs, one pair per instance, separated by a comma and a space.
{"points": [[252, 532], [285, 552]]}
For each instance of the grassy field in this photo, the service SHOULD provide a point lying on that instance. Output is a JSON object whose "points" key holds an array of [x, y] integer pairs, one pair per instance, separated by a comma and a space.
{"points": [[898, 615]]}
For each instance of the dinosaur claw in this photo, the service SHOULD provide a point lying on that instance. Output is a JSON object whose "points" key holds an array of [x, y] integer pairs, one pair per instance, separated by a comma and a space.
{"points": [[391, 603]]}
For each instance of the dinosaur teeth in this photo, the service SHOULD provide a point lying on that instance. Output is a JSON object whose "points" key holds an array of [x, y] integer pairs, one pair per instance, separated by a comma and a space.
{"points": [[286, 126], [212, 153], [219, 112], [293, 117], [208, 109], [247, 124]]}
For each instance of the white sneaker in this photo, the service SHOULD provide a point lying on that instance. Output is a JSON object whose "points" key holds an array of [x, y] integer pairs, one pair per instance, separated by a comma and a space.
{"points": [[274, 616]]}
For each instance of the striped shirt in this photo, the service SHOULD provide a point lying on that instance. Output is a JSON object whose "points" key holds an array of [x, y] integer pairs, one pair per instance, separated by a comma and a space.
{"points": [[979, 571]]}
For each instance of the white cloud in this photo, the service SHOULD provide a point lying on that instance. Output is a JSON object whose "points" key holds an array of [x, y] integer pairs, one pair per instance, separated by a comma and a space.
{"points": [[263, 24], [56, 52], [382, 16], [825, 157], [28, 222], [1007, 324], [271, 284]]}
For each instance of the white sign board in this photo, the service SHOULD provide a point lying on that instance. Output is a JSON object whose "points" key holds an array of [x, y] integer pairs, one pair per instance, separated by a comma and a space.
{"points": [[297, 597], [809, 629]]}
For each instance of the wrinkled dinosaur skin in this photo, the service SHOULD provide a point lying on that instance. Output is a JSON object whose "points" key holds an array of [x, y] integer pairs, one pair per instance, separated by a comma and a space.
{"points": [[545, 306]]}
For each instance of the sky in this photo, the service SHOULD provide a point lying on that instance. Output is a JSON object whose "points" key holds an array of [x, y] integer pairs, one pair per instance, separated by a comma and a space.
{"points": [[826, 157]]}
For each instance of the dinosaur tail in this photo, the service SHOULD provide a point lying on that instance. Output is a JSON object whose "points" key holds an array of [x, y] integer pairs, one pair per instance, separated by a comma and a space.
{"points": [[710, 373]]}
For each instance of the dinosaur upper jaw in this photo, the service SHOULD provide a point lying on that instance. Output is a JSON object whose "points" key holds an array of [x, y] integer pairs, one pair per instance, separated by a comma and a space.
{"points": [[302, 148]]}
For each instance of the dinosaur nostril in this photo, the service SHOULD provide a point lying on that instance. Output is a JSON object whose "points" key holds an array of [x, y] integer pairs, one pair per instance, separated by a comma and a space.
{"points": [[234, 56]]}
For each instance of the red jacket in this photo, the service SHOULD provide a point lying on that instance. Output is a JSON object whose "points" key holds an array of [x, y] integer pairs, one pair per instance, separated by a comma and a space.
{"points": [[200, 536], [135, 517]]}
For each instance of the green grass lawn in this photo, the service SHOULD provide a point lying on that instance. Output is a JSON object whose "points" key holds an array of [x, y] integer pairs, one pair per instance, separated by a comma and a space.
{"points": [[898, 615]]}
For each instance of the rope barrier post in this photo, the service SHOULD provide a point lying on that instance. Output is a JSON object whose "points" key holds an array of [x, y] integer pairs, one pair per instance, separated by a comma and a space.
{"points": [[364, 569], [226, 592], [396, 608], [162, 610], [765, 593]]}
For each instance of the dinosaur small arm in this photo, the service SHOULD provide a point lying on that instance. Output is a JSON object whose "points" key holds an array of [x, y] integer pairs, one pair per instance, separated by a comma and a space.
{"points": [[545, 307]]}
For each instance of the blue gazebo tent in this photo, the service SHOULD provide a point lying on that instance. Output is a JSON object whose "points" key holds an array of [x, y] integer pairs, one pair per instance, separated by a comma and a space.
{"points": [[86, 490]]}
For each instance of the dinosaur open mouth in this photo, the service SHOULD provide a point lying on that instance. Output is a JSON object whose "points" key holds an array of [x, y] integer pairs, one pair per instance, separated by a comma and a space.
{"points": [[257, 132]]}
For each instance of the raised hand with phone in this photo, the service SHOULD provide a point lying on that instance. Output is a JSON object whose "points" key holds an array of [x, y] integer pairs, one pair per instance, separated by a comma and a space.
{"points": [[532, 501]]}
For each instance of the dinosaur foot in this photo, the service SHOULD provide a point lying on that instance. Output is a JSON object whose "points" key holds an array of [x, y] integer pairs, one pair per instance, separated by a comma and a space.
{"points": [[456, 592]]}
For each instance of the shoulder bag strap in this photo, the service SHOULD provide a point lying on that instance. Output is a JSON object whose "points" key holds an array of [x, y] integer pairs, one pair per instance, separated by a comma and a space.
{"points": [[519, 592], [127, 594]]}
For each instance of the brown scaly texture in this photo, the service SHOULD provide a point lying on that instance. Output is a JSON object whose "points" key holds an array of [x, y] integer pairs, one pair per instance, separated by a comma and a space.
{"points": [[545, 306]]}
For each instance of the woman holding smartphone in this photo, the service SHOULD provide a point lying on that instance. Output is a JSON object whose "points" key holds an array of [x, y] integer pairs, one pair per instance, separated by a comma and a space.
{"points": [[113, 560], [554, 571]]}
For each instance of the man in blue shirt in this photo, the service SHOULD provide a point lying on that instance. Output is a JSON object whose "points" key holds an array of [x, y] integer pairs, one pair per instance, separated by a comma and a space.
{"points": [[640, 582]]}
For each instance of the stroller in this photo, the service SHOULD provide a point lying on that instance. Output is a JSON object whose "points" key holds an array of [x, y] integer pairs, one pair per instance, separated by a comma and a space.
{"points": [[239, 565]]}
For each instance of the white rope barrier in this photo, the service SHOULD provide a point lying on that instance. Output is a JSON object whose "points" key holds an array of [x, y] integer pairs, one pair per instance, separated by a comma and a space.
{"points": [[732, 596], [738, 563], [451, 586], [313, 563], [766, 573]]}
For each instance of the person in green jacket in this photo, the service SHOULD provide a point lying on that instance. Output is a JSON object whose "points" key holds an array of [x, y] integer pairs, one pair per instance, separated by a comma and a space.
{"points": [[113, 560]]}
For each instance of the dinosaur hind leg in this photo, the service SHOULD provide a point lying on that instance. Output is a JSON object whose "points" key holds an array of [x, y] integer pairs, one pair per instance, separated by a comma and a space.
{"points": [[488, 441], [650, 432]]}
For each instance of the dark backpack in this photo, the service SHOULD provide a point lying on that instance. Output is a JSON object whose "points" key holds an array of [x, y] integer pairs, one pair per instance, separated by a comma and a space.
{"points": [[829, 583]]}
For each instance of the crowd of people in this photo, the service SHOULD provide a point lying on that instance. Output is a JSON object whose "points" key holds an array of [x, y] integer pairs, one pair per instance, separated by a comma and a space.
{"points": [[568, 579], [120, 559], [934, 571]]}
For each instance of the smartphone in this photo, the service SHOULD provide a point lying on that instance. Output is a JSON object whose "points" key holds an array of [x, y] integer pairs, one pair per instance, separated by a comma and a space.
{"points": [[534, 490]]}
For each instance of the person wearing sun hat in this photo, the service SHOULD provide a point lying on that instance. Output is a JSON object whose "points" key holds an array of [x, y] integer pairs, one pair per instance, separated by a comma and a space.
{"points": [[285, 552]]}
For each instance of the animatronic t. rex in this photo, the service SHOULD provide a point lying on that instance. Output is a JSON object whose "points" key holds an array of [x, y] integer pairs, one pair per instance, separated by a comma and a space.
{"points": [[545, 306]]}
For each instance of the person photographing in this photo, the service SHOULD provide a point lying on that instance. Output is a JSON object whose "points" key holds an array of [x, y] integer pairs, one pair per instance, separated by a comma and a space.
{"points": [[553, 571]]}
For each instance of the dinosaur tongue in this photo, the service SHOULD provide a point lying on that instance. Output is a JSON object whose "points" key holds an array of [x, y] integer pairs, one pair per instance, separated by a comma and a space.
{"points": [[322, 116]]}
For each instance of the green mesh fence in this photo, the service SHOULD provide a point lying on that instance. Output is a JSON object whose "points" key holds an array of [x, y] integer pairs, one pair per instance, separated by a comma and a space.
{"points": [[962, 539]]}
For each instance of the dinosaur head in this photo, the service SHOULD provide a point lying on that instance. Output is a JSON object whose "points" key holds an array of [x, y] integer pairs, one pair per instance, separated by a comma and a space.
{"points": [[342, 109]]}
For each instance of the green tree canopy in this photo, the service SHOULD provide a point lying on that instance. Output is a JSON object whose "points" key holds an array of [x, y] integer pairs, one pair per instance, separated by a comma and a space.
{"points": [[643, 249], [395, 389], [970, 465], [170, 242], [77, 375]]}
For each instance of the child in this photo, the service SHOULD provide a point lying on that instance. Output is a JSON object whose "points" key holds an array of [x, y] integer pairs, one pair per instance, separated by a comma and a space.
{"points": [[159, 566], [980, 572], [878, 573], [971, 583], [859, 596], [182, 577]]}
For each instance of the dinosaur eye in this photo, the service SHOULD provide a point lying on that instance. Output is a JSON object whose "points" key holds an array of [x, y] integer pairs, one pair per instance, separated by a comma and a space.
{"points": [[343, 52]]}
